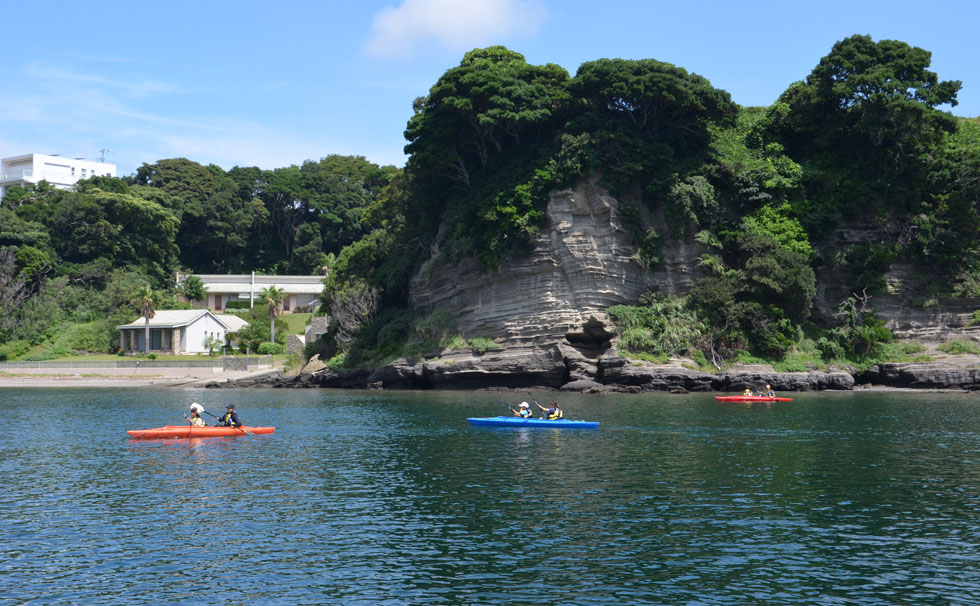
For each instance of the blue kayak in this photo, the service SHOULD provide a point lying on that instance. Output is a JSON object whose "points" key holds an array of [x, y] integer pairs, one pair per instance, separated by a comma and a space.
{"points": [[519, 422]]}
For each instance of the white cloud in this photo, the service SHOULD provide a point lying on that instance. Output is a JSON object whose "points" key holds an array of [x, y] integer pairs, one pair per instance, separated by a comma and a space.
{"points": [[454, 24], [136, 88]]}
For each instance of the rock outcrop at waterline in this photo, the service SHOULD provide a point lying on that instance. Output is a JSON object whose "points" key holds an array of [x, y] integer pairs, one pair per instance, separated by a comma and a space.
{"points": [[552, 367]]}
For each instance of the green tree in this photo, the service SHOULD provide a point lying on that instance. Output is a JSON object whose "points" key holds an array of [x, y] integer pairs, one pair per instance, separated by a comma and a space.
{"points": [[191, 288], [492, 100], [867, 123], [145, 298], [646, 119], [274, 297]]}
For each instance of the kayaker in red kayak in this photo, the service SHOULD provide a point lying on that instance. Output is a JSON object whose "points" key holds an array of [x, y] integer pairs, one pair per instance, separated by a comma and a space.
{"points": [[769, 393], [554, 411], [195, 419], [747, 392], [230, 418]]}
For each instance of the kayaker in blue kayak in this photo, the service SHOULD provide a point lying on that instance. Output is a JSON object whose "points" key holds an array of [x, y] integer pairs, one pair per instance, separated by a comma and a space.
{"points": [[230, 418], [553, 412], [523, 411]]}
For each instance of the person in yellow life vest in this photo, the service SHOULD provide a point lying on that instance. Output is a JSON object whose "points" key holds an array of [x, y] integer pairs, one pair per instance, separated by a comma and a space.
{"points": [[553, 411], [195, 418], [747, 392], [230, 418], [523, 411], [769, 393]]}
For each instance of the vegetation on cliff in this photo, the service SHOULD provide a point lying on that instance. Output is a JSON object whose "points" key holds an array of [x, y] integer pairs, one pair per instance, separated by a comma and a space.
{"points": [[863, 142]]}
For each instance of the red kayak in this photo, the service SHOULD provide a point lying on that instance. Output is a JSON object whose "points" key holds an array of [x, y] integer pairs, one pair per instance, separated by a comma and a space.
{"points": [[189, 431], [751, 399]]}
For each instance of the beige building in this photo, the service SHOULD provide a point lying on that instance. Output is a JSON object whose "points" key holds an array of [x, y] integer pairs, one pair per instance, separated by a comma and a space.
{"points": [[302, 292]]}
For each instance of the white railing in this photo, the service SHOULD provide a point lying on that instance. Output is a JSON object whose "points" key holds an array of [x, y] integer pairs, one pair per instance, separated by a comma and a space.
{"points": [[16, 175]]}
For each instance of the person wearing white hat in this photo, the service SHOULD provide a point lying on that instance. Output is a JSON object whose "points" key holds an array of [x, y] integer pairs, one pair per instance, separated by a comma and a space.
{"points": [[195, 418], [523, 411]]}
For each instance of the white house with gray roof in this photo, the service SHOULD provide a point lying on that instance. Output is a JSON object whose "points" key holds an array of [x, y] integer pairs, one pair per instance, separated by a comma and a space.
{"points": [[178, 331]]}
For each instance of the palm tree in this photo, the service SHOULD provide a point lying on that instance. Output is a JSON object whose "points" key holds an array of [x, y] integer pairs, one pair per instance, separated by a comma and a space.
{"points": [[145, 298], [275, 297]]}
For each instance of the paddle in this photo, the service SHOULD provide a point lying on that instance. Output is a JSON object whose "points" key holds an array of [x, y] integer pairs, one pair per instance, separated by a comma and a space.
{"points": [[239, 428], [535, 403]]}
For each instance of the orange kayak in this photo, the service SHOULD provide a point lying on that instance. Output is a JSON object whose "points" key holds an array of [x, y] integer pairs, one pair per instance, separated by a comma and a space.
{"points": [[188, 431]]}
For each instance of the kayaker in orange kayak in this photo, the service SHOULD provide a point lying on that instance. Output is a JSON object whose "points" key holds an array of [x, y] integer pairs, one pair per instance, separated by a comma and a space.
{"points": [[230, 418], [195, 418]]}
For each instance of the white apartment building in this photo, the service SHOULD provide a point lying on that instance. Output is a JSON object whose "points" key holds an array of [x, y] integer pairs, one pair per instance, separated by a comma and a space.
{"points": [[60, 172]]}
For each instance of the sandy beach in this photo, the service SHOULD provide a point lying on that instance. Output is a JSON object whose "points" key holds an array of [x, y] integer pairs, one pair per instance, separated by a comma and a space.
{"points": [[129, 379], [98, 381]]}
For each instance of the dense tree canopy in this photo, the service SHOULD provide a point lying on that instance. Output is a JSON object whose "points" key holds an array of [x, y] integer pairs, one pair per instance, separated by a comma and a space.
{"points": [[867, 124]]}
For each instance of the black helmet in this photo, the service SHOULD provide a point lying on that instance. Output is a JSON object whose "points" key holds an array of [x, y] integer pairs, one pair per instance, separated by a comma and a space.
{"points": [[230, 407]]}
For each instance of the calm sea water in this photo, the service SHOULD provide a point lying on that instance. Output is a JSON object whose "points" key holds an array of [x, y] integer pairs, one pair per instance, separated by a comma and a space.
{"points": [[381, 498]]}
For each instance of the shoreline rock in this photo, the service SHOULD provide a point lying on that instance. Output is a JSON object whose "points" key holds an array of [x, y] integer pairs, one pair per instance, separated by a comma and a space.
{"points": [[551, 367]]}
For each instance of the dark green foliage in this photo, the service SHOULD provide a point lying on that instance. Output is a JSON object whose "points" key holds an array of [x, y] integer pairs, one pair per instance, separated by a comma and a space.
{"points": [[866, 127], [268, 348], [868, 264], [691, 204], [645, 120], [658, 326], [191, 288], [861, 335], [251, 337], [239, 305], [775, 275]]}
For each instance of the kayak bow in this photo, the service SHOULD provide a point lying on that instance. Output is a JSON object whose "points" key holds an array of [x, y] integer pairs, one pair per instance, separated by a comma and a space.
{"points": [[190, 431]]}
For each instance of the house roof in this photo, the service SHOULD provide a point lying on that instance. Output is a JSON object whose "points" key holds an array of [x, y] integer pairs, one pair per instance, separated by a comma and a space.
{"points": [[174, 318], [233, 322], [244, 284]]}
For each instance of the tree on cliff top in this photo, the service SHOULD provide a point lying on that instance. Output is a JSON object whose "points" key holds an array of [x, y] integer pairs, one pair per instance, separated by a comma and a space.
{"points": [[646, 118], [867, 122], [492, 100]]}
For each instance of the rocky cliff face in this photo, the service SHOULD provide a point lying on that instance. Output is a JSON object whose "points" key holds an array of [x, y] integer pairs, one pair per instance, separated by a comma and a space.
{"points": [[583, 264], [547, 310]]}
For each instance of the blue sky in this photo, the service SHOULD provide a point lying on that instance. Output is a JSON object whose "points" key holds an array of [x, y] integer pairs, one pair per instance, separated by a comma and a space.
{"points": [[272, 84]]}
